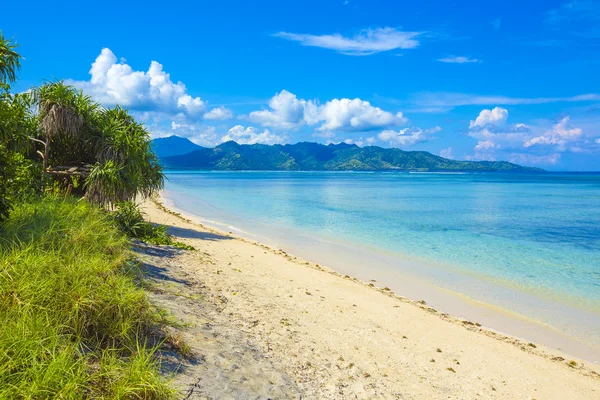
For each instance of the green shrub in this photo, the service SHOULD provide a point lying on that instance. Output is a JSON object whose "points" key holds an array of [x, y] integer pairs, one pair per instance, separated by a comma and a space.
{"points": [[130, 220], [73, 323]]}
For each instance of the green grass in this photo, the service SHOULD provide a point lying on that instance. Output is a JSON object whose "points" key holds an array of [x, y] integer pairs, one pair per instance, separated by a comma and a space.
{"points": [[130, 219], [73, 322]]}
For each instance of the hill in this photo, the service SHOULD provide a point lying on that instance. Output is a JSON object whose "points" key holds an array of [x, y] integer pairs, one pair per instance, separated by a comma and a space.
{"points": [[307, 156], [173, 146]]}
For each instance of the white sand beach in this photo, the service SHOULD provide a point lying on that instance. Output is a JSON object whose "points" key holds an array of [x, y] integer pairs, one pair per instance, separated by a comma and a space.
{"points": [[331, 336]]}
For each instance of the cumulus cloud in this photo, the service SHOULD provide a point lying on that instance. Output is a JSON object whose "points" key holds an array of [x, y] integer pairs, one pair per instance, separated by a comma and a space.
{"points": [[407, 136], [113, 82], [286, 111], [495, 116], [356, 114], [537, 144], [219, 113], [485, 145], [366, 42], [559, 135], [251, 135], [458, 60]]}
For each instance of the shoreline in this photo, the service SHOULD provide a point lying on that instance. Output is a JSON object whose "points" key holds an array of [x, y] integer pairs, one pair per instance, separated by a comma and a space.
{"points": [[339, 337], [454, 304]]}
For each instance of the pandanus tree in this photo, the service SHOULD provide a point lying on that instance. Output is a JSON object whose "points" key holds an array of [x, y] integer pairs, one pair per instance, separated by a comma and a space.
{"points": [[125, 162], [58, 125], [77, 131]]}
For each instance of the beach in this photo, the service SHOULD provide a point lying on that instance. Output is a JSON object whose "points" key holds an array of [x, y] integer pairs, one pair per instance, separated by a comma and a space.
{"points": [[330, 335]]}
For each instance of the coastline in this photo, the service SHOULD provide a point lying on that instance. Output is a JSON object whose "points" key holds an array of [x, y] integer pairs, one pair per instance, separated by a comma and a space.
{"points": [[324, 327], [499, 320]]}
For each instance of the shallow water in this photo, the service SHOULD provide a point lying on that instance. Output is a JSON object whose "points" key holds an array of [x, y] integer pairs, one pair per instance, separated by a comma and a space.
{"points": [[529, 244]]}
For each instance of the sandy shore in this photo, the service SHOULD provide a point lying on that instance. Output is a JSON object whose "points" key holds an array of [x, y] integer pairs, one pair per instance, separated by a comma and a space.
{"points": [[322, 335]]}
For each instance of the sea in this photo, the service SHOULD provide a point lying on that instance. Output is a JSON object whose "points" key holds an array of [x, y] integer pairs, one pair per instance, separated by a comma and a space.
{"points": [[518, 253]]}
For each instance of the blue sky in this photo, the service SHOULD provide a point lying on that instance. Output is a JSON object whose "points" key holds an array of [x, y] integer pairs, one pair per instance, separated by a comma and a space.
{"points": [[510, 80]]}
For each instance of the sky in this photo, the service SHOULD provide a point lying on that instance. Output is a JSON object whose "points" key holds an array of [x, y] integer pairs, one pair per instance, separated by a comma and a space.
{"points": [[472, 80]]}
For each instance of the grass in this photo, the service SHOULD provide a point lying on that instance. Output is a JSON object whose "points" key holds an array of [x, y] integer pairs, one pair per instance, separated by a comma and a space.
{"points": [[130, 219], [73, 321]]}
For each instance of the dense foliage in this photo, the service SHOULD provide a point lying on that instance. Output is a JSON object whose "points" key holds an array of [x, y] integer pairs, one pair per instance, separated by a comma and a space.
{"points": [[73, 321], [130, 219], [56, 125], [318, 157]]}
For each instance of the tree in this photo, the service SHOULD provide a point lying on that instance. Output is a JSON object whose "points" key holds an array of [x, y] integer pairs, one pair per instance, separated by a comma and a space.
{"points": [[57, 125], [9, 60], [76, 131], [9, 65]]}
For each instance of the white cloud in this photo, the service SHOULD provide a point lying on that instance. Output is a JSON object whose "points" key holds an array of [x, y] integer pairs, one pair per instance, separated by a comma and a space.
{"points": [[286, 111], [356, 114], [533, 159], [485, 145], [360, 142], [559, 135], [371, 140], [114, 82], [496, 116], [200, 134], [366, 42], [447, 153], [219, 113], [407, 136], [458, 60], [494, 135], [251, 135], [445, 101], [598, 141]]}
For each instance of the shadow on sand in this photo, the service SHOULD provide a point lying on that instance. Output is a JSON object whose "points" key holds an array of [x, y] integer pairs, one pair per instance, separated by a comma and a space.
{"points": [[194, 234]]}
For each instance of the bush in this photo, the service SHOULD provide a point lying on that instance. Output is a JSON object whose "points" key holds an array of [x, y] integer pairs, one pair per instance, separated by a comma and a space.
{"points": [[73, 322], [130, 220]]}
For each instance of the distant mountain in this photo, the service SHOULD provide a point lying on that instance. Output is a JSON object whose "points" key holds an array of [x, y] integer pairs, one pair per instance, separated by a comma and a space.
{"points": [[318, 157], [173, 146]]}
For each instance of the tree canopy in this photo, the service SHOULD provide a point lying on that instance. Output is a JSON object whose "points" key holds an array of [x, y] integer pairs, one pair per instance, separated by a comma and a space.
{"points": [[57, 125]]}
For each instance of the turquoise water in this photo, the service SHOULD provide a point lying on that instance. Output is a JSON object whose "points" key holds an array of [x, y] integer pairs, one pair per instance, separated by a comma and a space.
{"points": [[537, 234]]}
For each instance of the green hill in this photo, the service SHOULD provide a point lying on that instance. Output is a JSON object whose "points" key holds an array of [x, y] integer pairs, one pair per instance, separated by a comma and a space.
{"points": [[307, 156]]}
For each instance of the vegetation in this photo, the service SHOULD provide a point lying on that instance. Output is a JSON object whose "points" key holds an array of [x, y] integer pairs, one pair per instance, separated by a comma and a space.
{"points": [[318, 157], [100, 153], [130, 219], [77, 131], [74, 323]]}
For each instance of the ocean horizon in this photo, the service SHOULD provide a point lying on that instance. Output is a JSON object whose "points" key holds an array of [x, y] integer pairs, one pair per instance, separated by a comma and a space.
{"points": [[523, 248]]}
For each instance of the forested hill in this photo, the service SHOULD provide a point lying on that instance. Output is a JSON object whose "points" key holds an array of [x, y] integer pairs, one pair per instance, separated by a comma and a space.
{"points": [[307, 156]]}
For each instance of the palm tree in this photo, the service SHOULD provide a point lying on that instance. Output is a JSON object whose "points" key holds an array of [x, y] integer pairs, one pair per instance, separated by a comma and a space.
{"points": [[9, 60]]}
